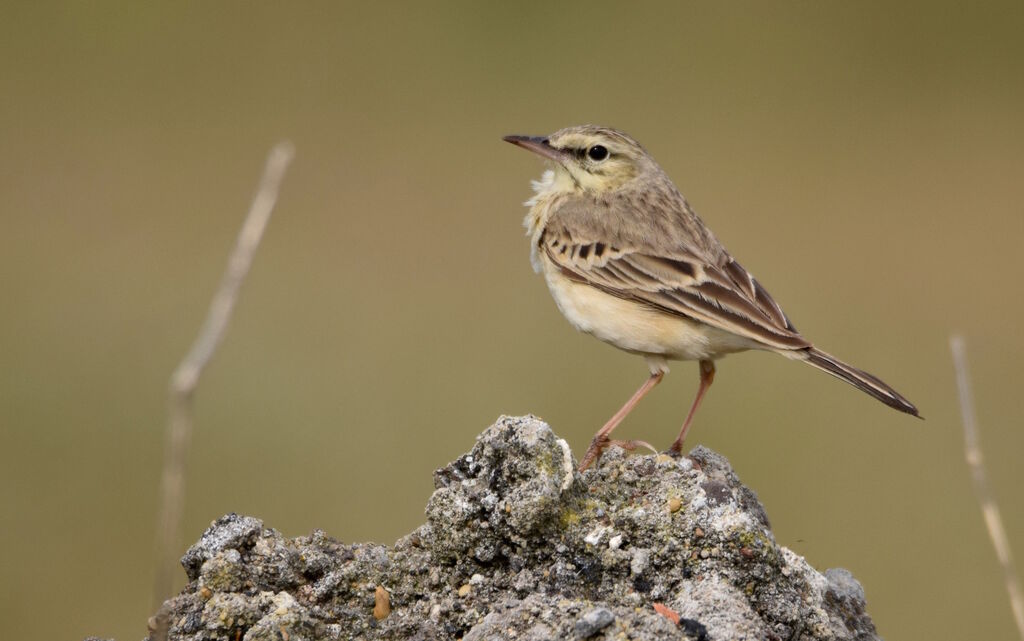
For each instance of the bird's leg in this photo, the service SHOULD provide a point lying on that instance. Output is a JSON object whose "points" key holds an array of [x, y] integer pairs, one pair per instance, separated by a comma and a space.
{"points": [[707, 376], [600, 440]]}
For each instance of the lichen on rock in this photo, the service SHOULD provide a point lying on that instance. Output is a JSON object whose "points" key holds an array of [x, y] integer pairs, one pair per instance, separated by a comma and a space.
{"points": [[517, 544]]}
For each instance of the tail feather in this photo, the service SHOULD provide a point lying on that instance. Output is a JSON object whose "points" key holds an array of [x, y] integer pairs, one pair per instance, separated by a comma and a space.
{"points": [[861, 380]]}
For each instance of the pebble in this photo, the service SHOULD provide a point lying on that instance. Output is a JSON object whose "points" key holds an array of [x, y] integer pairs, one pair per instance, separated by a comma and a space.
{"points": [[641, 558], [382, 603], [593, 622]]}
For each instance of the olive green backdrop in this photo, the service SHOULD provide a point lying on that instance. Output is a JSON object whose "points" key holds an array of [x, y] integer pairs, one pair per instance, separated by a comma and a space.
{"points": [[864, 160]]}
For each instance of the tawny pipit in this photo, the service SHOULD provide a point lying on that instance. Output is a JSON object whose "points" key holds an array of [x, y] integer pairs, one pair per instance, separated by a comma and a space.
{"points": [[629, 262]]}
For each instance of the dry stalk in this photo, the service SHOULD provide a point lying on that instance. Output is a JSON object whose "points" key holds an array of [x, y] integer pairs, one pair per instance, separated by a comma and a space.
{"points": [[989, 508], [186, 377]]}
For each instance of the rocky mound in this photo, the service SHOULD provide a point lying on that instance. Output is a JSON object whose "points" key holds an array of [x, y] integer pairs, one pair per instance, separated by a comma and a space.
{"points": [[517, 545]]}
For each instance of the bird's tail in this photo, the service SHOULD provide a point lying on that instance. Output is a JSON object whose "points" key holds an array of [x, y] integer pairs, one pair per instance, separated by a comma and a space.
{"points": [[861, 380]]}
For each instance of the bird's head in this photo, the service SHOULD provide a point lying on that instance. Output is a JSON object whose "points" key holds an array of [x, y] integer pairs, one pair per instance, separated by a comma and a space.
{"points": [[590, 158]]}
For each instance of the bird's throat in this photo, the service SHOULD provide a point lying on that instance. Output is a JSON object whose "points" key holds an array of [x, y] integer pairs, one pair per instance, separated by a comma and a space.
{"points": [[552, 187]]}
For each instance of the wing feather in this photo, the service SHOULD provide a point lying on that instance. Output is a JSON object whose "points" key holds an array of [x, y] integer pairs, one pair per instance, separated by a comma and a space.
{"points": [[681, 283]]}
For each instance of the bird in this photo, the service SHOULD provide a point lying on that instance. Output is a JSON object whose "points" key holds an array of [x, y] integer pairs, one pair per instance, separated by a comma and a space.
{"points": [[628, 261]]}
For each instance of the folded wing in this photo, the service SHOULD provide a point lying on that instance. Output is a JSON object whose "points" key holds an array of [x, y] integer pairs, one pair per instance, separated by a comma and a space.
{"points": [[677, 282]]}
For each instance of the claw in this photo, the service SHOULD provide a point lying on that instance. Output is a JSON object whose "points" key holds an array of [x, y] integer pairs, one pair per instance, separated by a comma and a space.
{"points": [[600, 444], [629, 446]]}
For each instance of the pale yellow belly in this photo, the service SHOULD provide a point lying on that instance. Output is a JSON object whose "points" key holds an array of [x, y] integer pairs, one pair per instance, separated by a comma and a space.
{"points": [[637, 328]]}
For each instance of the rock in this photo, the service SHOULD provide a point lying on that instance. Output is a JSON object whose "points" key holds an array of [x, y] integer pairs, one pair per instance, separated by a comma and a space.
{"points": [[694, 629], [226, 533], [517, 544], [593, 622]]}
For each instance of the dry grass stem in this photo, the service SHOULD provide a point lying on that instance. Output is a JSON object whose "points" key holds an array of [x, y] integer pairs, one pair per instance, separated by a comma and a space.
{"points": [[186, 377], [989, 509]]}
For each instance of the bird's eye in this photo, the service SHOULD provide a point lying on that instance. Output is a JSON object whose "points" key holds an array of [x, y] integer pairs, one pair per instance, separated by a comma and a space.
{"points": [[597, 153]]}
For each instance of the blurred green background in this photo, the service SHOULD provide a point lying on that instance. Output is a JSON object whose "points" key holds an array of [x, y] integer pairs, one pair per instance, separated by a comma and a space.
{"points": [[864, 160]]}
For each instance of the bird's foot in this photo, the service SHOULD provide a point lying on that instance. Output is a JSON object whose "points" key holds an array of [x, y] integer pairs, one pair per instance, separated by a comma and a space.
{"points": [[602, 442], [594, 451], [629, 446], [675, 450]]}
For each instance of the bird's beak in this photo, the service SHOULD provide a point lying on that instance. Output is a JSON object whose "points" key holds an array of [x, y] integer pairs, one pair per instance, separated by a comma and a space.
{"points": [[538, 145]]}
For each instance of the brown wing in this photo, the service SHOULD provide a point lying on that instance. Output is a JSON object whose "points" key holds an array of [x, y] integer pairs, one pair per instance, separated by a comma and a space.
{"points": [[676, 282]]}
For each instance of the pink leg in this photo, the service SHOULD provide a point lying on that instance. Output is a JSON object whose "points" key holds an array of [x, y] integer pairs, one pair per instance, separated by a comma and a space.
{"points": [[707, 376], [600, 440]]}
